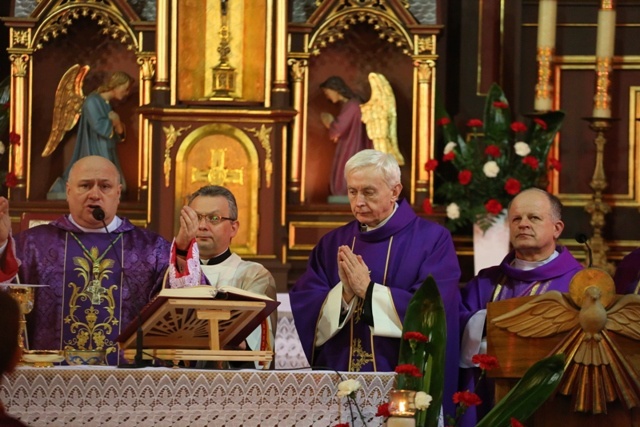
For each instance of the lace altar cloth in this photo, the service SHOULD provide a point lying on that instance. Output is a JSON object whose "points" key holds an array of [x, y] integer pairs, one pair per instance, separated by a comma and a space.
{"points": [[76, 396], [288, 348]]}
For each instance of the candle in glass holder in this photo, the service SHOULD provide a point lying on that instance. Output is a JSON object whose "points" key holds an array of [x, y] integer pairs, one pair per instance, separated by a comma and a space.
{"points": [[402, 408], [604, 58]]}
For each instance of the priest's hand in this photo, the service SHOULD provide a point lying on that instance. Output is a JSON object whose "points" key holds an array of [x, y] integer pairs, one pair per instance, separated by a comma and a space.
{"points": [[5, 221], [353, 271], [188, 228]]}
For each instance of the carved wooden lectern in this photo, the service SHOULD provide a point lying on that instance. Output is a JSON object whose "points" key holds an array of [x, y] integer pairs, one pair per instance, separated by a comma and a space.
{"points": [[581, 386]]}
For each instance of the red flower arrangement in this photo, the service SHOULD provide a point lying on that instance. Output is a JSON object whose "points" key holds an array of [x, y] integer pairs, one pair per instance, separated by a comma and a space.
{"points": [[482, 172]]}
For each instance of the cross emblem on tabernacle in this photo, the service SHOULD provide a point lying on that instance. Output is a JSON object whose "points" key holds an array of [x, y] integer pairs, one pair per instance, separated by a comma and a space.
{"points": [[359, 356], [217, 174], [96, 291]]}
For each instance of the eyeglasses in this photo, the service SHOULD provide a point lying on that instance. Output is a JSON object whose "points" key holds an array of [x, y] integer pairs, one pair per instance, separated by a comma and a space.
{"points": [[213, 219]]}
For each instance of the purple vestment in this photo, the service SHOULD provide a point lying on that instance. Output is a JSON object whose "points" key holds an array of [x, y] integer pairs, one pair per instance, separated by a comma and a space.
{"points": [[351, 137], [97, 282], [513, 283], [628, 274], [415, 248]]}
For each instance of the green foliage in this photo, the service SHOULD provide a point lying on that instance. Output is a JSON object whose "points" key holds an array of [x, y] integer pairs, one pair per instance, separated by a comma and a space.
{"points": [[473, 194], [425, 314], [533, 389]]}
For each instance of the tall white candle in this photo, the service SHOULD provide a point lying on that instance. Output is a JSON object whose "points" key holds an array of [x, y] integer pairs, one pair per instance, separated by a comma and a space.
{"points": [[547, 12], [604, 56]]}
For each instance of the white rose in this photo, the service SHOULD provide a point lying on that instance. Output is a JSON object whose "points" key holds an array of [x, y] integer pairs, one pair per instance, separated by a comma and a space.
{"points": [[491, 169], [422, 400], [453, 211], [1, 148], [449, 147], [345, 388], [522, 148]]}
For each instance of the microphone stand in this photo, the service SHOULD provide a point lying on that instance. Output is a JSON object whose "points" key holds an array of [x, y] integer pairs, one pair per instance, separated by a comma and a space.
{"points": [[138, 360]]}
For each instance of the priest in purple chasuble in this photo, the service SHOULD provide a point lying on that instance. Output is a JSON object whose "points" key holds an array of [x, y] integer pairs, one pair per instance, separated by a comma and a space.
{"points": [[349, 305], [97, 281], [627, 276], [535, 265]]}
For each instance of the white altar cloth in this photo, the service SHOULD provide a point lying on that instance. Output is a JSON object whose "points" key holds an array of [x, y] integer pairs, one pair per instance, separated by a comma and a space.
{"points": [[87, 396]]}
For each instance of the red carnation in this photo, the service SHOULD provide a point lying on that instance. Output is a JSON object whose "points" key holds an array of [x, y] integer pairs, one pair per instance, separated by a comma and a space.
{"points": [[426, 206], [383, 410], [512, 186], [14, 138], [417, 336], [493, 206], [541, 123], [11, 180], [531, 161], [466, 398], [431, 165], [443, 121], [408, 369], [518, 127], [485, 361], [500, 104], [555, 164], [449, 156], [474, 123], [516, 423], [342, 425], [464, 177], [493, 151]]}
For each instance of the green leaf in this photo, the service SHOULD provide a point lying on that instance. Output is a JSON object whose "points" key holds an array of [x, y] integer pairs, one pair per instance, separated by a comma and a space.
{"points": [[425, 314], [533, 389]]}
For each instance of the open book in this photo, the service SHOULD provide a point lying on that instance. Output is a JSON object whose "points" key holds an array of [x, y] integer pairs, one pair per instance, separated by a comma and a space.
{"points": [[182, 318]]}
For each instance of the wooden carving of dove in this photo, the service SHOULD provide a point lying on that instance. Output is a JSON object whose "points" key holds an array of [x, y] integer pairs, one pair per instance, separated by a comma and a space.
{"points": [[596, 371], [67, 106], [380, 117]]}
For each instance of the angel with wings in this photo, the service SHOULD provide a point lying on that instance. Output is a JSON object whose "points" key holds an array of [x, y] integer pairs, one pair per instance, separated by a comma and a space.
{"points": [[348, 130], [99, 127]]}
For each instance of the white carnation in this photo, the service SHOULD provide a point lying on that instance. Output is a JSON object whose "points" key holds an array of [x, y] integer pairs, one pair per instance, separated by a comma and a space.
{"points": [[522, 148], [422, 400], [449, 147], [491, 169], [346, 387], [453, 211], [2, 148]]}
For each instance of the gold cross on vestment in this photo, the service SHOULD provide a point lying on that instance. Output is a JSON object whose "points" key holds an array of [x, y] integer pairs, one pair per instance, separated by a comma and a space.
{"points": [[217, 174], [359, 356]]}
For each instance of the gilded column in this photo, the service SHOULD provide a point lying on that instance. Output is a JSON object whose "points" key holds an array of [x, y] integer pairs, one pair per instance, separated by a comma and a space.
{"points": [[424, 138], [147, 63], [162, 45], [280, 87], [298, 141]]}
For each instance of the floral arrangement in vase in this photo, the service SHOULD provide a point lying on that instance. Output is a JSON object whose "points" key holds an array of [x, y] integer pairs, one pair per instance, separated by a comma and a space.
{"points": [[495, 161]]}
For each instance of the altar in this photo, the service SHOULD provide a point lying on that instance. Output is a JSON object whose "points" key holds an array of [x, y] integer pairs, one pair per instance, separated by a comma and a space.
{"points": [[76, 396]]}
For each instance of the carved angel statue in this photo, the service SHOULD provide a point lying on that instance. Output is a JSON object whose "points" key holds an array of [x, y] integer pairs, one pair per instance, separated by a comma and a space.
{"points": [[347, 130], [597, 371], [99, 127]]}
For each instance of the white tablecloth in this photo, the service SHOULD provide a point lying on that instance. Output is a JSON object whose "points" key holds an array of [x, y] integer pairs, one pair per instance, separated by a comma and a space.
{"points": [[85, 396]]}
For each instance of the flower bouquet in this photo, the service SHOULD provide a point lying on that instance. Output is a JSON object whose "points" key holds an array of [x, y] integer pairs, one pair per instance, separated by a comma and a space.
{"points": [[497, 159]]}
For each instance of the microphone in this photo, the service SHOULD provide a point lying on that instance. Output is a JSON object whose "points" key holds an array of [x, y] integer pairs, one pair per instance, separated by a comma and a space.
{"points": [[98, 215], [584, 239]]}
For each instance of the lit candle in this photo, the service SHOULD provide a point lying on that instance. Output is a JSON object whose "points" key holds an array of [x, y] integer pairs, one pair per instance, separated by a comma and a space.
{"points": [[547, 12], [604, 57]]}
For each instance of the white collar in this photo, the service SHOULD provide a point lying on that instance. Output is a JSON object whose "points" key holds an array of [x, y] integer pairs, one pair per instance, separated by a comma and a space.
{"points": [[115, 223], [384, 221], [521, 264]]}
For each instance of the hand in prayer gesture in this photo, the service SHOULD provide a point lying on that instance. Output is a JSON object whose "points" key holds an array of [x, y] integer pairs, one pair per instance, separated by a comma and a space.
{"points": [[353, 272], [5, 220], [189, 224]]}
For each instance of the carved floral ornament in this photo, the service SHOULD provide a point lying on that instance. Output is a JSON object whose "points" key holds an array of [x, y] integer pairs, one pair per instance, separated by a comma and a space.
{"points": [[386, 27], [104, 14]]}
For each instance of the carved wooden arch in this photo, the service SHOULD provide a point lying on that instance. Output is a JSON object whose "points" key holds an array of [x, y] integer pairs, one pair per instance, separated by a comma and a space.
{"points": [[236, 167], [387, 26], [107, 15]]}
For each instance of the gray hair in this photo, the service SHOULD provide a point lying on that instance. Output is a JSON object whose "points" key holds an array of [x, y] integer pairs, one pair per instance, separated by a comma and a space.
{"points": [[384, 162], [215, 191], [554, 202]]}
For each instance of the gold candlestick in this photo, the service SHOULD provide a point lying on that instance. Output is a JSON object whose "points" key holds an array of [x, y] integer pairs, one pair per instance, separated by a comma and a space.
{"points": [[24, 295], [597, 207]]}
